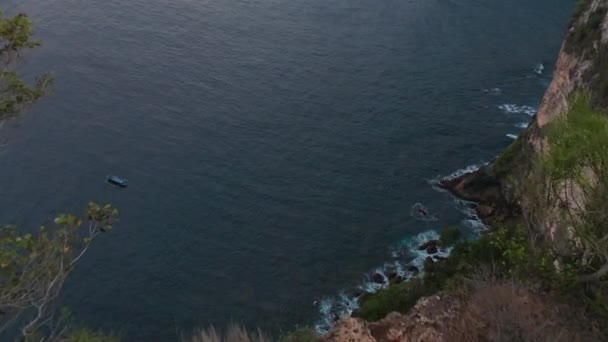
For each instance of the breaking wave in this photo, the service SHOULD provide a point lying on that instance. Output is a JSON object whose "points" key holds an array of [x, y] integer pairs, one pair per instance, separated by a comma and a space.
{"points": [[493, 91], [460, 172], [517, 109], [407, 262]]}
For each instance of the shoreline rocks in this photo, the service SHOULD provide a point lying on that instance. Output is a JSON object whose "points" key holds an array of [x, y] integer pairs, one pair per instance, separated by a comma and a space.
{"points": [[428, 244], [378, 278]]}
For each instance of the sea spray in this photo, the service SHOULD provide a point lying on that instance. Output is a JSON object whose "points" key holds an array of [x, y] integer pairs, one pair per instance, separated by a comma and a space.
{"points": [[510, 108], [404, 255]]}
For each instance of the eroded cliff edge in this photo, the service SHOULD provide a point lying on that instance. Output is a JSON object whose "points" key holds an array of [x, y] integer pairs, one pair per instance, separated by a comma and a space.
{"points": [[513, 189], [508, 188]]}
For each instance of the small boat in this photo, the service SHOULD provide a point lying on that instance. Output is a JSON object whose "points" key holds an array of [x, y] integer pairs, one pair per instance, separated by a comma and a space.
{"points": [[117, 181]]}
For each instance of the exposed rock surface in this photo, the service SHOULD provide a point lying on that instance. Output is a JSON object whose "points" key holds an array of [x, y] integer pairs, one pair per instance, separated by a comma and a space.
{"points": [[483, 188], [378, 278], [485, 310], [500, 189], [495, 312], [428, 244], [349, 330], [425, 323]]}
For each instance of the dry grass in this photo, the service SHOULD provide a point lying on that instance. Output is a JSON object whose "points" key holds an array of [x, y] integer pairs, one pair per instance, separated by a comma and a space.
{"points": [[234, 333], [501, 311]]}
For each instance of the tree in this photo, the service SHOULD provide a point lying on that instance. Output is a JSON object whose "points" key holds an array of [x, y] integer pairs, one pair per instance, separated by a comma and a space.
{"points": [[34, 266], [15, 93], [577, 163]]}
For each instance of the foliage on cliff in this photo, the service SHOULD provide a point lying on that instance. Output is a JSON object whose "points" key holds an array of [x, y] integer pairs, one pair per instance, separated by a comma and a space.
{"points": [[577, 169], [508, 252], [573, 171], [586, 40]]}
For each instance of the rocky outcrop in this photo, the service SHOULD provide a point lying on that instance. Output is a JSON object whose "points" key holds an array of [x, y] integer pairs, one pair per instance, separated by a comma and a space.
{"points": [[426, 322], [483, 310], [428, 244], [507, 189], [349, 330], [484, 188], [502, 188], [378, 278]]}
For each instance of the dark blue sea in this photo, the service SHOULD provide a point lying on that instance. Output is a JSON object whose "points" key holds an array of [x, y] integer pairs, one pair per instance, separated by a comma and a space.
{"points": [[273, 148]]}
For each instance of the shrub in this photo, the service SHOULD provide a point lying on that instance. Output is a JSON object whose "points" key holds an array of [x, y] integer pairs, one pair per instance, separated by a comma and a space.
{"points": [[449, 236], [506, 251], [300, 335], [397, 297], [508, 157], [84, 335]]}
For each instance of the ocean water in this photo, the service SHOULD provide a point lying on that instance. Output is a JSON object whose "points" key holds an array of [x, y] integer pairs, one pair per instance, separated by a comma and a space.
{"points": [[273, 148]]}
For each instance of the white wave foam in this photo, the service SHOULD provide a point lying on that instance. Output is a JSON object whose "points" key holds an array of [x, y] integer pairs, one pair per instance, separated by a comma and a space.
{"points": [[327, 318], [421, 255], [539, 69], [434, 182], [343, 304], [475, 224], [522, 125], [517, 109], [512, 136], [406, 254], [471, 220], [464, 171], [493, 91]]}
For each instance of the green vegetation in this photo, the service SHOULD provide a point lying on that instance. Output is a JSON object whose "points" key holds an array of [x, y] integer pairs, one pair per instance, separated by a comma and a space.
{"points": [[577, 163], [15, 93], [35, 265], [581, 6], [577, 142], [300, 335], [397, 297], [583, 41], [83, 335], [585, 34], [508, 158], [577, 158], [507, 252], [449, 236]]}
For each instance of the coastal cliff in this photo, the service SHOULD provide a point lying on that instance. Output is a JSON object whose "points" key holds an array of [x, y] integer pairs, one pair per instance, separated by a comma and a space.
{"points": [[504, 188], [557, 192]]}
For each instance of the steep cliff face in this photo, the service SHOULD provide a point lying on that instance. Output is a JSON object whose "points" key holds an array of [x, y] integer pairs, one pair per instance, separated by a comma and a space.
{"points": [[581, 65], [517, 186], [510, 186]]}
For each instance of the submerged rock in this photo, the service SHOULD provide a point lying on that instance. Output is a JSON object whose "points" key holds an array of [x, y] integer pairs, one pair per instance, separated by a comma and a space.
{"points": [[378, 278], [426, 245], [396, 280]]}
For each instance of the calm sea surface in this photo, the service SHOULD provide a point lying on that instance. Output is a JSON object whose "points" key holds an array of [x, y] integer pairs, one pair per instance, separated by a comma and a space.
{"points": [[273, 148]]}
